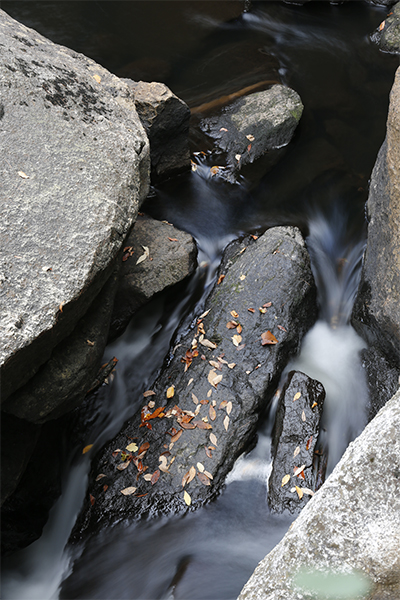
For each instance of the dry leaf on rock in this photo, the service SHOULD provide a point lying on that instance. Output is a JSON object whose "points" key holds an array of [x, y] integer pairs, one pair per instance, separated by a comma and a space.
{"points": [[155, 477], [268, 338], [213, 378], [285, 480], [171, 391], [208, 344], [212, 413], [299, 492], [226, 422], [229, 407], [187, 498], [144, 255], [204, 479], [236, 339], [131, 447], [124, 465], [296, 396], [128, 491], [87, 448], [213, 439]]}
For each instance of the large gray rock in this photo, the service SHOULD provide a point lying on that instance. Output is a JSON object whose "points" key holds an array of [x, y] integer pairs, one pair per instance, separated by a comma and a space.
{"points": [[75, 171], [165, 118], [213, 389], [295, 435], [350, 526], [169, 257], [376, 313], [250, 127]]}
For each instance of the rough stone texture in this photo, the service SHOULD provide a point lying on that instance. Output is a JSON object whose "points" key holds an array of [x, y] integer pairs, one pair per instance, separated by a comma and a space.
{"points": [[376, 312], [63, 381], [351, 524], [270, 117], [296, 427], [165, 118], [382, 379], [172, 258], [388, 37], [75, 169], [276, 269]]}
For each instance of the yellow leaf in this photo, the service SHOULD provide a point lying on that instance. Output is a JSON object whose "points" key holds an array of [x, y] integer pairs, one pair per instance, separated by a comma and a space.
{"points": [[296, 396], [23, 175], [200, 467], [285, 480], [171, 391], [299, 492], [187, 498], [97, 78], [132, 447], [234, 314], [87, 448], [297, 450]]}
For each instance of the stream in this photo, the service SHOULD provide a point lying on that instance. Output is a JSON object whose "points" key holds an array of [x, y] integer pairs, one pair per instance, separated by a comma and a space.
{"points": [[322, 51]]}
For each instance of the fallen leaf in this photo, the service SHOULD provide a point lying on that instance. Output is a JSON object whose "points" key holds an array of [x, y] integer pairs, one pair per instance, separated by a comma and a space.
{"points": [[87, 448], [307, 491], [202, 425], [100, 476], [267, 304], [149, 393], [209, 393], [226, 423], [239, 329], [123, 466], [204, 479], [198, 409], [242, 277], [285, 480], [298, 470], [262, 310], [151, 404], [189, 476], [187, 498], [200, 467], [223, 129], [220, 279], [173, 239], [204, 314], [231, 365], [314, 404], [23, 175], [229, 408], [147, 477], [252, 310], [143, 448], [236, 339], [214, 170], [214, 379], [249, 148], [188, 425], [238, 157], [382, 26], [171, 391], [208, 344], [89, 343], [132, 447], [296, 396], [208, 451], [213, 439], [296, 452], [299, 492], [250, 137], [163, 464], [92, 499], [282, 328], [128, 491], [105, 488], [212, 413], [195, 399], [268, 338], [155, 477], [190, 381], [97, 78], [215, 364], [308, 444], [223, 404], [303, 416], [176, 437], [234, 314], [231, 324], [144, 255]]}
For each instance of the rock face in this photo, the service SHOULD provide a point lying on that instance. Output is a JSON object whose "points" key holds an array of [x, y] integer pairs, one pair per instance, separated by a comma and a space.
{"points": [[351, 525], [376, 313], [256, 124], [165, 118], [207, 401], [388, 37], [171, 258], [77, 169], [294, 439]]}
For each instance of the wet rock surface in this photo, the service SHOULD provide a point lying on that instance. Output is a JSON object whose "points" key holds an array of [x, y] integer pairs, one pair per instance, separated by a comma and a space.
{"points": [[77, 169], [171, 258], [254, 125], [165, 118], [376, 312], [350, 526], [207, 401], [295, 436], [388, 33]]}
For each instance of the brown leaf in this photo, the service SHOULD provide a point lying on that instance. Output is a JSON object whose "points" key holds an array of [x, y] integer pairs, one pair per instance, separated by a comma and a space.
{"points": [[239, 328], [282, 328], [231, 324], [208, 344], [87, 448], [299, 492], [308, 444], [195, 399], [212, 413], [223, 404], [149, 393], [155, 477], [188, 425], [92, 499], [213, 439], [123, 466], [143, 448], [267, 304], [220, 279], [204, 479], [176, 437], [105, 488], [202, 425], [215, 364], [252, 310], [208, 451], [298, 470], [173, 239], [268, 338], [100, 476], [234, 314]]}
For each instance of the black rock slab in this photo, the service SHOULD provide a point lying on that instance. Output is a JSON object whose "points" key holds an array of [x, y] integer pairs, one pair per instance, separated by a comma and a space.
{"points": [[294, 439], [207, 401]]}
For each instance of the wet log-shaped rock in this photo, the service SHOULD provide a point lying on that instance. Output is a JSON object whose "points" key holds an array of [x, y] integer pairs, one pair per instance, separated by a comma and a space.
{"points": [[177, 451], [294, 439]]}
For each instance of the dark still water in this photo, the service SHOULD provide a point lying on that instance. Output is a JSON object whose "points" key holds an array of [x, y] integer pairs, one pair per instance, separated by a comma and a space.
{"points": [[203, 51]]}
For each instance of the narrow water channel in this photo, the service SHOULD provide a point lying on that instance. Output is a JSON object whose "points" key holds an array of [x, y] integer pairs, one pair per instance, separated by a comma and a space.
{"points": [[321, 185]]}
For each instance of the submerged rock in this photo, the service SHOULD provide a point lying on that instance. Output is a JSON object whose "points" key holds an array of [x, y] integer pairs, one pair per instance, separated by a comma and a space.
{"points": [[376, 312], [156, 256], [254, 125], [207, 401], [350, 528], [77, 169], [388, 33], [295, 436]]}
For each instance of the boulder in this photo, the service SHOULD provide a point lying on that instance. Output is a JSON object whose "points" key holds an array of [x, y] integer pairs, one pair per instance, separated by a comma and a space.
{"points": [[204, 411], [376, 312], [349, 532], [171, 258], [254, 125], [165, 118], [294, 439], [388, 33], [76, 171]]}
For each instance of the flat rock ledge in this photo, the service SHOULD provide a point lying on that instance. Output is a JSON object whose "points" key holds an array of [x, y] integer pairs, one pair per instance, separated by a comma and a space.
{"points": [[349, 532], [178, 449], [76, 168]]}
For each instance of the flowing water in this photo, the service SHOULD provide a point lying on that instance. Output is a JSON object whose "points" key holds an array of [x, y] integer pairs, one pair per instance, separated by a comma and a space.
{"points": [[320, 184]]}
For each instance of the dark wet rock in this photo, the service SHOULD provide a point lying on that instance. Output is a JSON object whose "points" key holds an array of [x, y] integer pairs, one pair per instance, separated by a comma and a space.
{"points": [[382, 379], [225, 395], [172, 258], [351, 525], [296, 429], [376, 312], [165, 118], [388, 33], [254, 125], [63, 381], [18, 441], [77, 169]]}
